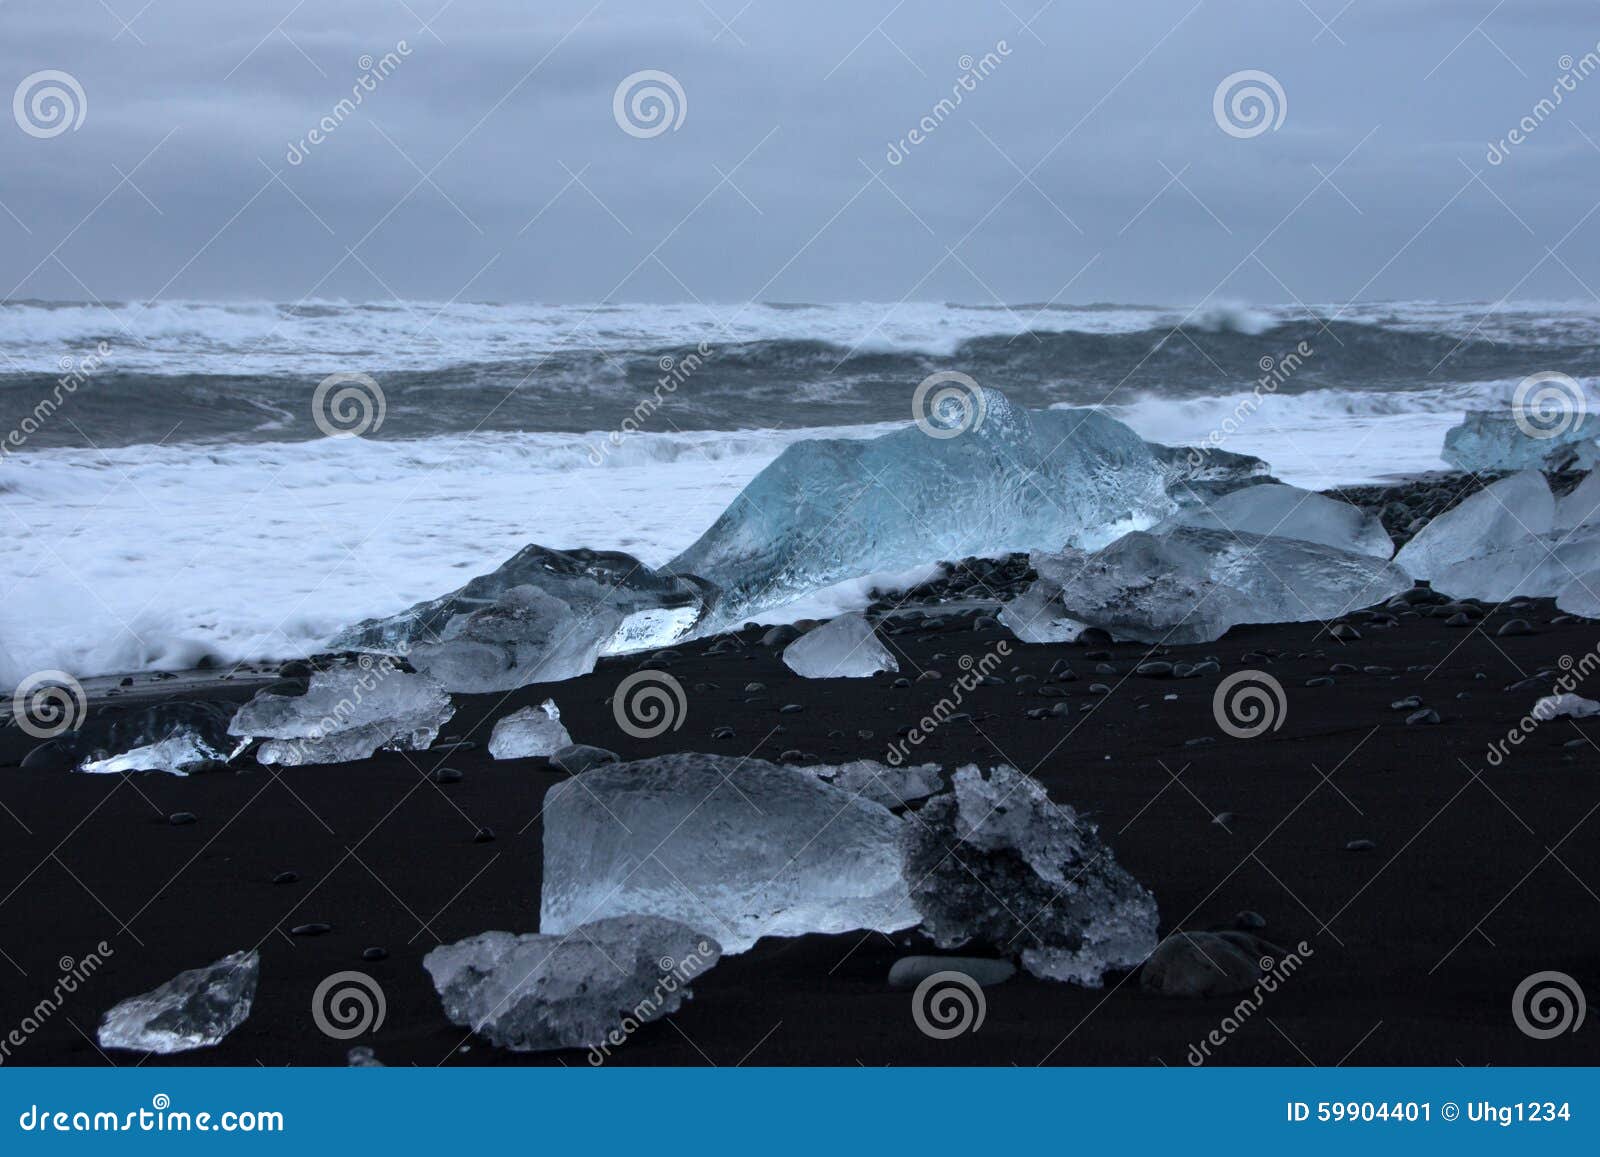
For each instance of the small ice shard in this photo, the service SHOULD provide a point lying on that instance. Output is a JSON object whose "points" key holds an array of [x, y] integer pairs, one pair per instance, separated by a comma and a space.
{"points": [[1191, 585], [590, 987], [176, 736], [1536, 567], [533, 731], [1575, 706], [740, 847], [541, 616], [177, 754], [347, 713], [1489, 441], [1501, 515], [845, 648], [193, 1010], [893, 787], [1005, 479], [1581, 507], [1273, 509], [1194, 473], [994, 861]]}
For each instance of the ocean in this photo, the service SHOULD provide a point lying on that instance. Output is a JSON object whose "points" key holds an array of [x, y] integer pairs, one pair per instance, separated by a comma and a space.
{"points": [[172, 492]]}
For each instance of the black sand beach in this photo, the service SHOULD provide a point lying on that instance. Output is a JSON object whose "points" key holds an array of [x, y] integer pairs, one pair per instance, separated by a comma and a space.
{"points": [[1473, 880]]}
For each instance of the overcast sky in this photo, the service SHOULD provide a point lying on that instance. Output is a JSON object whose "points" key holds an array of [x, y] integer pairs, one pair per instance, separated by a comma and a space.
{"points": [[1086, 166]]}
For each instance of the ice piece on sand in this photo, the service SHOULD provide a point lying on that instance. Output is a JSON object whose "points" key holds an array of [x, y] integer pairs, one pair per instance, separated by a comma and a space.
{"points": [[995, 861], [893, 787], [347, 713], [1575, 706], [845, 648], [1581, 596], [739, 847], [1495, 440], [533, 731], [541, 616], [595, 984], [1191, 585], [1581, 507], [1536, 567], [1274, 509], [832, 509], [1501, 515], [193, 1010], [176, 736]]}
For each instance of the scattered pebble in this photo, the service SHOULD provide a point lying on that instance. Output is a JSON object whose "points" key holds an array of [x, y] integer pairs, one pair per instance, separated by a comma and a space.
{"points": [[182, 819]]}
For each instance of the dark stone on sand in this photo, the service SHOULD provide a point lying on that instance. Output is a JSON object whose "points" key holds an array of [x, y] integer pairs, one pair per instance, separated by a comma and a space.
{"points": [[1458, 620], [1426, 715], [1360, 846], [1345, 633], [901, 682], [1343, 669], [483, 836], [1249, 921], [374, 954], [578, 758], [1409, 703], [1223, 819], [1376, 669], [313, 929], [791, 708], [1052, 691], [985, 623], [909, 971], [1094, 637], [1514, 627], [296, 669], [1192, 964], [181, 819], [1320, 681], [1099, 689], [753, 687], [723, 732], [1200, 741], [780, 636], [286, 878], [447, 775]]}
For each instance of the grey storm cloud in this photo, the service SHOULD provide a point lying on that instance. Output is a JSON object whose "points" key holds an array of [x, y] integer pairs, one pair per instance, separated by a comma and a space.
{"points": [[1082, 161]]}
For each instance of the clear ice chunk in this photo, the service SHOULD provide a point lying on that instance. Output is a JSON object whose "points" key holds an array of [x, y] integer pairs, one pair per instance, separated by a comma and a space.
{"points": [[590, 987], [1489, 441], [1581, 596], [533, 731], [832, 509], [177, 754], [1501, 515], [1190, 585], [1536, 567], [1575, 706], [193, 1010], [893, 787], [740, 847], [1275, 510], [995, 861], [844, 648], [177, 736], [541, 616], [347, 713], [1581, 507]]}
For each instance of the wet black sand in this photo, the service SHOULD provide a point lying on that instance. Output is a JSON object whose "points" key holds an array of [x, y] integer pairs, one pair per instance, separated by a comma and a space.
{"points": [[1479, 876]]}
